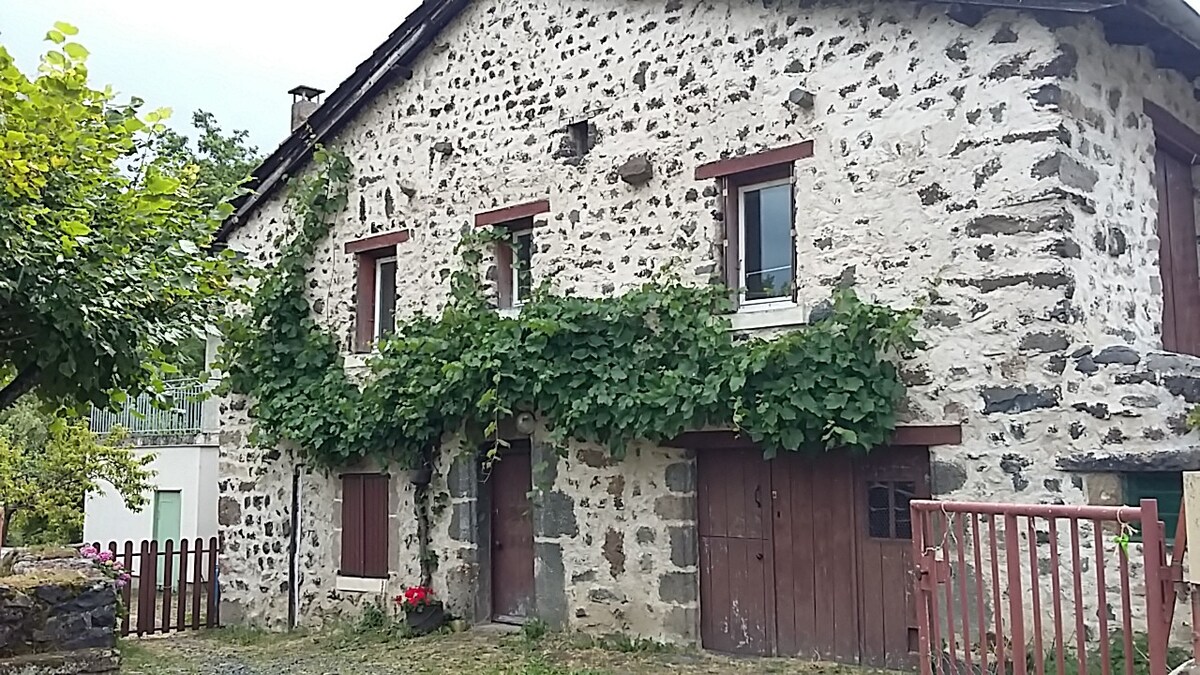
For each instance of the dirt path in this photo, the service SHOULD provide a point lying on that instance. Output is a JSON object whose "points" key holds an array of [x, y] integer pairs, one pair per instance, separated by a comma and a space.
{"points": [[225, 652]]}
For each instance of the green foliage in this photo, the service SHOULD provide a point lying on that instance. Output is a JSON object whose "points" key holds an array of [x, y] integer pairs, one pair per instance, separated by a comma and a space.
{"points": [[47, 470], [533, 630], [647, 365], [1116, 658], [1193, 418], [106, 263], [222, 161]]}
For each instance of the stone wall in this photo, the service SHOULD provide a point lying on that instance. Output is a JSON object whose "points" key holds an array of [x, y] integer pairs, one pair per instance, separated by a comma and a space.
{"points": [[58, 614], [990, 166]]}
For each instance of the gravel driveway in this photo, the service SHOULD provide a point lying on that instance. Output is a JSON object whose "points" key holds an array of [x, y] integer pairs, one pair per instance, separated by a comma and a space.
{"points": [[223, 652]]}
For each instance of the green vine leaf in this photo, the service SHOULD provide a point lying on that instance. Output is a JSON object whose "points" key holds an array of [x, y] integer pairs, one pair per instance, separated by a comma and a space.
{"points": [[647, 365]]}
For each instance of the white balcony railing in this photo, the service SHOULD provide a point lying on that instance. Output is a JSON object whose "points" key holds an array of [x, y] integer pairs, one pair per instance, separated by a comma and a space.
{"points": [[141, 417]]}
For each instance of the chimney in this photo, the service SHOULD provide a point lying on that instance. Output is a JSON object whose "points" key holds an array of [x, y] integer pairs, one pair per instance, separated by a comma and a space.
{"points": [[304, 101]]}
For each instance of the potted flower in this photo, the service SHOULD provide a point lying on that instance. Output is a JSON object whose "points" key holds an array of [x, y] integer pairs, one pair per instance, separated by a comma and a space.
{"points": [[422, 613]]}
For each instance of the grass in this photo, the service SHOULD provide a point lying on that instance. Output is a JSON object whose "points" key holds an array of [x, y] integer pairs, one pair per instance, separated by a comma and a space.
{"points": [[367, 647], [1117, 658], [31, 580]]}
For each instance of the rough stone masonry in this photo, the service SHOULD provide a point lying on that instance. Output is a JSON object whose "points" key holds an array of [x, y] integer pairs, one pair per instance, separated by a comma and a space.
{"points": [[1005, 168]]}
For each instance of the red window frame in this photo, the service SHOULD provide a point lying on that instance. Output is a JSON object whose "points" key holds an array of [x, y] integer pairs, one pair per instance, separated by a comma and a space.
{"points": [[514, 219], [739, 172], [367, 252]]}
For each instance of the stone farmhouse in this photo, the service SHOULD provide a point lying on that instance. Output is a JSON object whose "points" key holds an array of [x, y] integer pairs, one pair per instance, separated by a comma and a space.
{"points": [[1034, 164]]}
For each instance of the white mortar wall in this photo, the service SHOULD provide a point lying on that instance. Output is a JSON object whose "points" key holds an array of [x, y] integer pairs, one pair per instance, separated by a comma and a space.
{"points": [[948, 158], [191, 469]]}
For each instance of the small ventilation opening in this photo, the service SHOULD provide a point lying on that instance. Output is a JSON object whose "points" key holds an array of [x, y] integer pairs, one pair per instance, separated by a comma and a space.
{"points": [[581, 137]]}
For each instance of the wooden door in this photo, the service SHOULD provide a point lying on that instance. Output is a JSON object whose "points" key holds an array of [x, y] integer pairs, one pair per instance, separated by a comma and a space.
{"points": [[885, 481], [737, 607], [1177, 254], [816, 585], [168, 517], [512, 536]]}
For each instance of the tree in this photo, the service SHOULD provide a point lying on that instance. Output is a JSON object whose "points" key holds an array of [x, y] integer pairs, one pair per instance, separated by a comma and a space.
{"points": [[107, 262], [223, 162], [47, 471]]}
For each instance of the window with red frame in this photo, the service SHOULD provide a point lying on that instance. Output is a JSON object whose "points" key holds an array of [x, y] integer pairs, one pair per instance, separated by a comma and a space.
{"points": [[759, 209], [375, 292], [515, 257]]}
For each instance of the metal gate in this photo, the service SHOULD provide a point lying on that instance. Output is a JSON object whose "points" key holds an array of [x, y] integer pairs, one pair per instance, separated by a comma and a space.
{"points": [[1018, 589]]}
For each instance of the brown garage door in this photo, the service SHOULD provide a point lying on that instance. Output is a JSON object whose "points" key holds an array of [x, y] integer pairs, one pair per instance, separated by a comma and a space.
{"points": [[735, 552], [809, 555]]}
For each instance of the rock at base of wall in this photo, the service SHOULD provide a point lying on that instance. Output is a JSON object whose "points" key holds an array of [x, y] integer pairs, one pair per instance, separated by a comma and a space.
{"points": [[78, 662]]}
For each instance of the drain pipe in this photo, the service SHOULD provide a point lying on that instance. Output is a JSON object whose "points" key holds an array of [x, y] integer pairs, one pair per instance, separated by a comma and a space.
{"points": [[294, 551]]}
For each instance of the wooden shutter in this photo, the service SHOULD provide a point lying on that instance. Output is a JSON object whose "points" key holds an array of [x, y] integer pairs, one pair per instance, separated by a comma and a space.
{"points": [[352, 525], [364, 304], [375, 526], [365, 525], [1177, 254]]}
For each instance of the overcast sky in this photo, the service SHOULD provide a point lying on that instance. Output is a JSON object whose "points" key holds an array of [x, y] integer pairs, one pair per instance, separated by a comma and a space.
{"points": [[234, 58]]}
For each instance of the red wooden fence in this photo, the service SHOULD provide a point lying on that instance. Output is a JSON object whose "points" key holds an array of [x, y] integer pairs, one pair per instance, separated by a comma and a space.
{"points": [[183, 597], [1001, 587]]}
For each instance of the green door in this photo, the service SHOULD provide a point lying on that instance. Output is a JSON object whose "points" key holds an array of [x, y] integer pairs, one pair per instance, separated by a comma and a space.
{"points": [[168, 511]]}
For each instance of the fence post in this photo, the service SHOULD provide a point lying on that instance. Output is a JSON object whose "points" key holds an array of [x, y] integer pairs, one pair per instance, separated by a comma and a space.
{"points": [[1153, 559], [182, 596], [213, 606], [1012, 556], [919, 582]]}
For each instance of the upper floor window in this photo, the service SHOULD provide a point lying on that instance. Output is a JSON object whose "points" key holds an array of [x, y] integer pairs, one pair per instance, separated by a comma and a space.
{"points": [[1176, 165], [514, 258], [521, 266], [375, 288], [760, 230], [385, 296], [765, 230]]}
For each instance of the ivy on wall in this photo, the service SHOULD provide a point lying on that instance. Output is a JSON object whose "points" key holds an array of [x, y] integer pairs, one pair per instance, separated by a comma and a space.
{"points": [[650, 364]]}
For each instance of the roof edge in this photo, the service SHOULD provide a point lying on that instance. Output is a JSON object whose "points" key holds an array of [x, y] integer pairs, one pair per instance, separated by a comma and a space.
{"points": [[1176, 19]]}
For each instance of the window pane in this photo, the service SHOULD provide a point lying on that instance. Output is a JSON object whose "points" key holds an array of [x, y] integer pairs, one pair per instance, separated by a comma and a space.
{"points": [[879, 510], [1166, 487], [385, 299], [767, 242], [523, 260], [905, 492]]}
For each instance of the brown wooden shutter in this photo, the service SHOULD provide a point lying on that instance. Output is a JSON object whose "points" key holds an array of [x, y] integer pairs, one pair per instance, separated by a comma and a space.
{"points": [[375, 526], [1178, 264], [352, 525], [364, 304], [733, 244]]}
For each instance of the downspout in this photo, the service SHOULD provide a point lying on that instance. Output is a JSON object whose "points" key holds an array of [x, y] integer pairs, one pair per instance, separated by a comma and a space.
{"points": [[421, 479], [294, 551]]}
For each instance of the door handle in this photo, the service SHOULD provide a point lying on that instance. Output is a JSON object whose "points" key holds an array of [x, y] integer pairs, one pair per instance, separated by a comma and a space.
{"points": [[758, 555], [758, 496]]}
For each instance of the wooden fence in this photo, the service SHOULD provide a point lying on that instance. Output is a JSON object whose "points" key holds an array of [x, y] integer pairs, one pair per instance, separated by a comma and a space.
{"points": [[172, 588]]}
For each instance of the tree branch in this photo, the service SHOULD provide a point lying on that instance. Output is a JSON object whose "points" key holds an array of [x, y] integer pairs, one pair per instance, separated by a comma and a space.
{"points": [[22, 384]]}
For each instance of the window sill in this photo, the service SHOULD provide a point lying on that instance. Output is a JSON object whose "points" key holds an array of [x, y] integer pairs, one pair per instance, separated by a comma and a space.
{"points": [[360, 585], [509, 312], [756, 317]]}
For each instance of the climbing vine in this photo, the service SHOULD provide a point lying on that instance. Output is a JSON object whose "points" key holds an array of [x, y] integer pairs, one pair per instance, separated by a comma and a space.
{"points": [[650, 364]]}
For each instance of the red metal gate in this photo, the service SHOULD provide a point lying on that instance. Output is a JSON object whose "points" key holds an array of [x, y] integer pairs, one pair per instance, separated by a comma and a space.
{"points": [[1029, 588]]}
